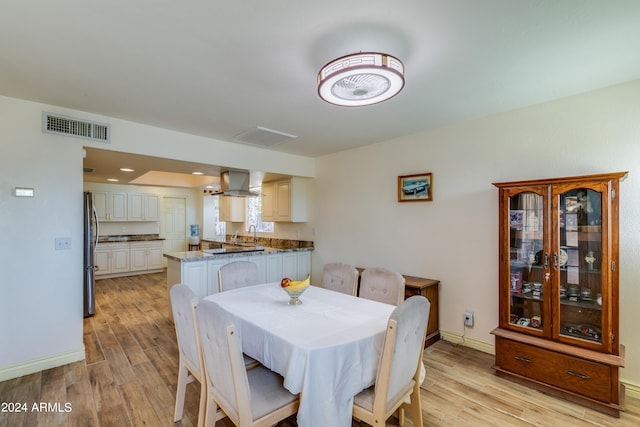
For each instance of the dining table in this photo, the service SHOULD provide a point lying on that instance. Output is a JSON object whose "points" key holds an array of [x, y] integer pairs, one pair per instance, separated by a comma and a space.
{"points": [[327, 348]]}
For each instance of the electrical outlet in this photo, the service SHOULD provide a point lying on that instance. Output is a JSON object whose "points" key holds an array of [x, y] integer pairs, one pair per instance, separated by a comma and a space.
{"points": [[63, 243], [468, 318]]}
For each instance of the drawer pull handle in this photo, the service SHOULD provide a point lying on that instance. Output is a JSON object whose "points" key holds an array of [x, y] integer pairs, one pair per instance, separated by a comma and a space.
{"points": [[523, 359], [579, 375]]}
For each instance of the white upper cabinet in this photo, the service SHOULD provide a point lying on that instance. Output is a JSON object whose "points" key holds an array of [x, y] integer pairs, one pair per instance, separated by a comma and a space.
{"points": [[110, 206], [143, 207], [285, 200], [232, 208]]}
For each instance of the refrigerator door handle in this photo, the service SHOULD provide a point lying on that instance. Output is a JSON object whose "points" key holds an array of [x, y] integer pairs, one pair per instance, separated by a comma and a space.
{"points": [[97, 231]]}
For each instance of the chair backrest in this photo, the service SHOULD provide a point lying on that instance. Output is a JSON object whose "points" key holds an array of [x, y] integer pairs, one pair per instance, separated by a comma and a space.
{"points": [[382, 285], [340, 277], [238, 274], [183, 301], [402, 349], [224, 366]]}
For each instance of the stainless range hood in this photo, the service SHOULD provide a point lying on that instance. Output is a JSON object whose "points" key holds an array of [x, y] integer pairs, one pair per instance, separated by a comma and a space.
{"points": [[236, 183]]}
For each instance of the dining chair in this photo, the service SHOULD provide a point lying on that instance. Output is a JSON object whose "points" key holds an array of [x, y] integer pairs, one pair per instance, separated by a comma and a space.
{"points": [[190, 365], [397, 383], [340, 277], [249, 398], [382, 285], [238, 274]]}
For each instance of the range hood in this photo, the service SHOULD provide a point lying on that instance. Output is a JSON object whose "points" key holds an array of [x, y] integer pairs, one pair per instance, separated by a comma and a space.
{"points": [[236, 183]]}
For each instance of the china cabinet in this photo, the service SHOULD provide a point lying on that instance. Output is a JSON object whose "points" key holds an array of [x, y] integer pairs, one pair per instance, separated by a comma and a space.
{"points": [[558, 287]]}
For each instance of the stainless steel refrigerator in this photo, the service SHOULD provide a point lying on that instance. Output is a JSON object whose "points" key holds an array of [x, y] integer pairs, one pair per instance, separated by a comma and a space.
{"points": [[91, 230]]}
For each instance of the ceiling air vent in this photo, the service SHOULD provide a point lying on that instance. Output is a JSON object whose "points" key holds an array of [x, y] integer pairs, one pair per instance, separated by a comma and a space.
{"points": [[263, 137], [61, 125]]}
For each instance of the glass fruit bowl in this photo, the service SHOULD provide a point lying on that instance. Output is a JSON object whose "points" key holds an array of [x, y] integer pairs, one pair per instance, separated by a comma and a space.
{"points": [[294, 289]]}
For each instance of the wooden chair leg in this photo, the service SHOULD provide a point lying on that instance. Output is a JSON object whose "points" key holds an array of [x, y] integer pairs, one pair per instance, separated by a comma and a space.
{"points": [[415, 407], [203, 403], [183, 380]]}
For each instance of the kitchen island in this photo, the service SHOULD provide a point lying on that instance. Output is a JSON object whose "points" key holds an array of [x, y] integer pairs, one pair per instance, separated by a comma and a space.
{"points": [[199, 269]]}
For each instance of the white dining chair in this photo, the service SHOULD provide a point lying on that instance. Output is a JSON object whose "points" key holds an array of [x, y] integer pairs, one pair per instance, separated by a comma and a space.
{"points": [[397, 385], [190, 365], [382, 285], [238, 274], [249, 398], [340, 277]]}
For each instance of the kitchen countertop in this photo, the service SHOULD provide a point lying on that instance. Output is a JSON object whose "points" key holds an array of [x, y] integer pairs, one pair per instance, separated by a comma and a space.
{"points": [[129, 238], [203, 256]]}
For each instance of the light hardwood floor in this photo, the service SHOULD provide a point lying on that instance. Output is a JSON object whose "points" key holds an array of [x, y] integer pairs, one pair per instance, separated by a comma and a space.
{"points": [[130, 373]]}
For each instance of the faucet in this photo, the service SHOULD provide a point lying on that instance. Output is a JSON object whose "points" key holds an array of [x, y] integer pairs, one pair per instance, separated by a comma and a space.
{"points": [[234, 238], [255, 239]]}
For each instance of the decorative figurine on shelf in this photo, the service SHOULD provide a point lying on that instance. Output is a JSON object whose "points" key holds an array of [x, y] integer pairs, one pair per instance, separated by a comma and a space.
{"points": [[590, 259]]}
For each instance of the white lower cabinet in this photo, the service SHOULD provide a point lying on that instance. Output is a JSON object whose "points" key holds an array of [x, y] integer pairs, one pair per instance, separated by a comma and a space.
{"points": [[261, 262], [128, 257], [145, 256], [304, 264], [192, 274], [111, 258], [212, 274], [274, 268]]}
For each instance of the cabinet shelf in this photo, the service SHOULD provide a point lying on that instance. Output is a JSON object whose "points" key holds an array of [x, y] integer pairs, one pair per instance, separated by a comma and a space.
{"points": [[527, 296], [581, 304]]}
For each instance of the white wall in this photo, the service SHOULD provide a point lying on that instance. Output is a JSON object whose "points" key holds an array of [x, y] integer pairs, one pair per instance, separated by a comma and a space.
{"points": [[454, 238], [40, 288]]}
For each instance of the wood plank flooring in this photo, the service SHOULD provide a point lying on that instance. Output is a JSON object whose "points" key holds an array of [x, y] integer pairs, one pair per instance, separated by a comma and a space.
{"points": [[130, 373]]}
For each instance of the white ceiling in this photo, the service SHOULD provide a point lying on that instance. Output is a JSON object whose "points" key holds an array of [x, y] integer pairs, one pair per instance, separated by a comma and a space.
{"points": [[219, 68]]}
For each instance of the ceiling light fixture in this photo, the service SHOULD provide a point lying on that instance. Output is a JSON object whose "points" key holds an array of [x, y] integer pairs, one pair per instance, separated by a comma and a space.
{"points": [[197, 173], [127, 170], [361, 79]]}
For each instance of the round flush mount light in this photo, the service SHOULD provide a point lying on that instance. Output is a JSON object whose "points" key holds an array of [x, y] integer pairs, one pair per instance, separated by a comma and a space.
{"points": [[361, 79]]}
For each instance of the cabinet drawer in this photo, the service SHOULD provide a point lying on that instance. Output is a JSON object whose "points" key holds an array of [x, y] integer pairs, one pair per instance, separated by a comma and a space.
{"points": [[580, 376]]}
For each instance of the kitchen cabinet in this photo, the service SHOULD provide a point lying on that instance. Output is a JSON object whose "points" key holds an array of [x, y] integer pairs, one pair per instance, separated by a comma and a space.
{"points": [[232, 208], [143, 207], [558, 287], [110, 206], [285, 200], [213, 265], [111, 258], [145, 256], [193, 274]]}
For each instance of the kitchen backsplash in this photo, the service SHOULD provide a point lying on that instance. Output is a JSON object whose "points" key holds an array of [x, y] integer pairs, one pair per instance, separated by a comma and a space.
{"points": [[125, 228]]}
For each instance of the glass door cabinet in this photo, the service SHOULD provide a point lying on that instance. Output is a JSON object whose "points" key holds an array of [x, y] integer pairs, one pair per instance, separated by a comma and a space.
{"points": [[558, 287]]}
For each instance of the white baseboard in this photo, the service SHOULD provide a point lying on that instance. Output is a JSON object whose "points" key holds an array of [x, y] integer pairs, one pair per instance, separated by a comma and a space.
{"points": [[631, 389], [40, 364], [458, 339]]}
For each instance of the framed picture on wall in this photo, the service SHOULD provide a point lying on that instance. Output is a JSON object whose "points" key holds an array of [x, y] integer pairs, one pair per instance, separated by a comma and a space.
{"points": [[415, 188]]}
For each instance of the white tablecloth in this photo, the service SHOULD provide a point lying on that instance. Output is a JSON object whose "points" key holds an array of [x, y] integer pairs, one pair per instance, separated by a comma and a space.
{"points": [[327, 348]]}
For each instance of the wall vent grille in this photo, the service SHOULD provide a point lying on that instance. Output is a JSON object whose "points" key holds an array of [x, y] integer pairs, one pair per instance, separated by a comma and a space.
{"points": [[61, 125]]}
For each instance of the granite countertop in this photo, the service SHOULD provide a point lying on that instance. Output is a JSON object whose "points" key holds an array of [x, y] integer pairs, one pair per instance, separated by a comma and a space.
{"points": [[129, 238], [203, 256]]}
